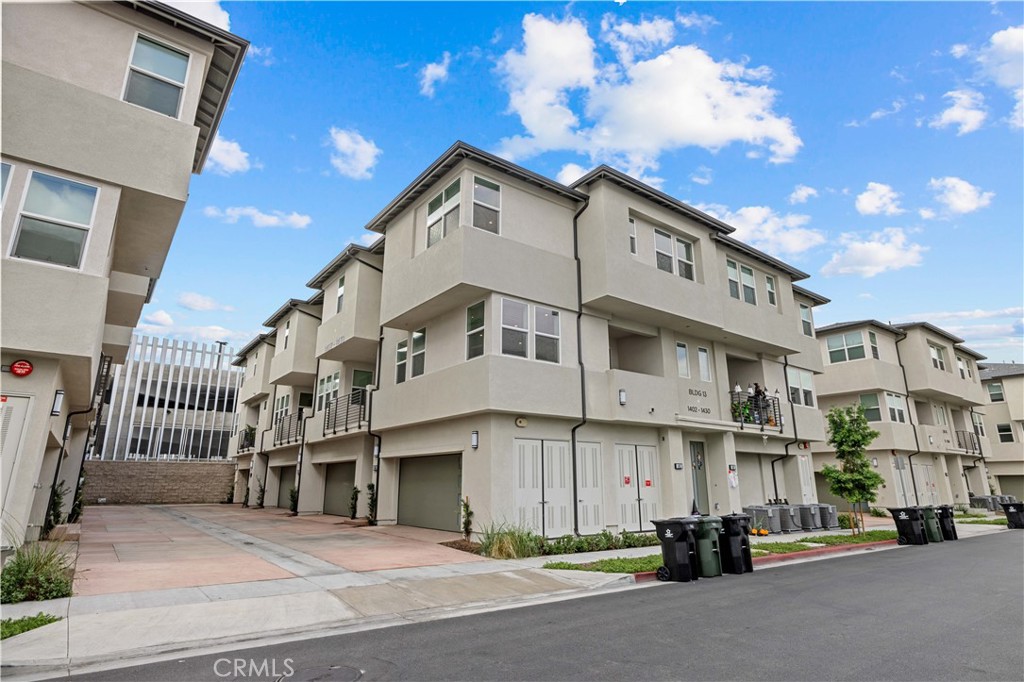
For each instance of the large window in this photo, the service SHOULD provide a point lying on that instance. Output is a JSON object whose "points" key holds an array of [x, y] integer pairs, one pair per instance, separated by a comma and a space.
{"points": [[408, 365], [979, 424], [156, 77], [995, 392], [475, 330], [281, 408], [940, 415], [704, 363], [769, 285], [679, 261], [733, 273], [1005, 432], [401, 360], [873, 341], [632, 236], [486, 204], [965, 368], [55, 220], [683, 360], [419, 352], [872, 410], [897, 411], [341, 294], [327, 389], [801, 386], [843, 347], [747, 282], [663, 254], [287, 331], [805, 320], [515, 331], [938, 357], [443, 213]]}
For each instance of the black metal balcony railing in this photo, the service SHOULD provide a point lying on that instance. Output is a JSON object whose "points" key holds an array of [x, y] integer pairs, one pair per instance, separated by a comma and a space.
{"points": [[288, 429], [968, 440], [760, 411], [246, 439], [345, 412]]}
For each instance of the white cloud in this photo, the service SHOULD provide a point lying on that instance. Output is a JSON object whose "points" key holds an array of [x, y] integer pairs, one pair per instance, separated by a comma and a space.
{"points": [[897, 106], [926, 213], [629, 113], [354, 156], [881, 252], [878, 199], [209, 333], [160, 318], [866, 296], [976, 314], [959, 50], [193, 301], [967, 111], [226, 157], [232, 214], [694, 20], [368, 238], [1002, 62], [801, 193], [702, 176], [433, 73], [261, 55], [765, 229], [570, 173], [959, 196], [209, 11]]}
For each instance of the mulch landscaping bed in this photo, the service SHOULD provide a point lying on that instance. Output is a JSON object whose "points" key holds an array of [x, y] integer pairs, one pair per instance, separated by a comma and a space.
{"points": [[463, 545]]}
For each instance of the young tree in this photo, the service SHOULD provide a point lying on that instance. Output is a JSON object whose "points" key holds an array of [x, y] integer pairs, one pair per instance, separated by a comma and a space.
{"points": [[854, 480]]}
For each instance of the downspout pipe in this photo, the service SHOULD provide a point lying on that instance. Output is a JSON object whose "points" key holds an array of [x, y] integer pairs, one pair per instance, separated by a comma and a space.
{"points": [[302, 441], [796, 434], [369, 426], [263, 433], [60, 458], [910, 418], [579, 358]]}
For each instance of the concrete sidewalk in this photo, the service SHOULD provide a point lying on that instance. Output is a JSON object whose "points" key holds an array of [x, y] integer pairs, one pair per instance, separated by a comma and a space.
{"points": [[103, 631]]}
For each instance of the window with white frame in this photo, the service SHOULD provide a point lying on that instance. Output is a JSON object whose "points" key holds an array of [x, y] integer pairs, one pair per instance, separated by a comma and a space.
{"points": [[938, 355], [663, 255], [704, 363], [733, 272], [281, 408], [940, 415], [680, 260], [806, 322], [682, 360], [897, 408], [516, 332], [979, 424], [56, 216], [873, 341], [419, 352], [156, 77], [872, 410], [632, 236], [547, 335], [995, 392], [255, 361], [1005, 432], [5, 175], [844, 347], [443, 212], [747, 282], [401, 360], [486, 204], [287, 331], [327, 389], [769, 285], [801, 386], [341, 294], [475, 330], [964, 366]]}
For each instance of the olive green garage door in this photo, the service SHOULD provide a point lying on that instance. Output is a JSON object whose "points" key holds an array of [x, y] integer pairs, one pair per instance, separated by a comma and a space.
{"points": [[284, 491], [1012, 485], [338, 482], [429, 490]]}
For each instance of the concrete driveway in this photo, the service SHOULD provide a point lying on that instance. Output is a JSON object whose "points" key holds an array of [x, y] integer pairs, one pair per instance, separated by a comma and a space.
{"points": [[138, 548]]}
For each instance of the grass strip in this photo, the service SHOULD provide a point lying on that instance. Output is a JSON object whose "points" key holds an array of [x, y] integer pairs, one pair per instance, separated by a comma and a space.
{"points": [[9, 627], [781, 547], [867, 536], [994, 522], [614, 565]]}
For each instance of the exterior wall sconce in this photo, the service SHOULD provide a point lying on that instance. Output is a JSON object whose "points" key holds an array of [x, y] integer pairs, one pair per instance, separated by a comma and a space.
{"points": [[622, 396], [736, 388], [58, 403], [474, 439], [874, 462]]}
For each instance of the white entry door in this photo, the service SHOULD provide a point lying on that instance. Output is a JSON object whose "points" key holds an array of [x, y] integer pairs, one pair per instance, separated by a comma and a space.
{"points": [[806, 478], [543, 492], [902, 485], [528, 495], [649, 485], [13, 410], [588, 479], [639, 487], [629, 507]]}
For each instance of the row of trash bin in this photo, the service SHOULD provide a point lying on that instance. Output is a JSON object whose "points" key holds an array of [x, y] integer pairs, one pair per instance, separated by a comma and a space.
{"points": [[921, 525], [992, 502], [695, 547], [793, 518]]}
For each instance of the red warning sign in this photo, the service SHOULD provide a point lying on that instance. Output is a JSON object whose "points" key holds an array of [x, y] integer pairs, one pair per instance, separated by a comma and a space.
{"points": [[626, 480], [21, 368], [647, 483]]}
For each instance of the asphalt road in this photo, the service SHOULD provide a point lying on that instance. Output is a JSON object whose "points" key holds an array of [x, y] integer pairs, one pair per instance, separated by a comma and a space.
{"points": [[953, 611]]}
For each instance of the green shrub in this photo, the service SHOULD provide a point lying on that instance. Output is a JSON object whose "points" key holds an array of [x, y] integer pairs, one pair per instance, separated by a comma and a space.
{"points": [[293, 500], [961, 508], [467, 519], [353, 503], [76, 505], [371, 503], [9, 627], [261, 491], [55, 513], [36, 571], [879, 513], [510, 542]]}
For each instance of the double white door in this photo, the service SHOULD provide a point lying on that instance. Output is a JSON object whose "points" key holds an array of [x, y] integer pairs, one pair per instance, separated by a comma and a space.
{"points": [[639, 486], [543, 489]]}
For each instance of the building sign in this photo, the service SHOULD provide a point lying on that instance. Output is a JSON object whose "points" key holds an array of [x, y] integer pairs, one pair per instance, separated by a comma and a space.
{"points": [[21, 368]]}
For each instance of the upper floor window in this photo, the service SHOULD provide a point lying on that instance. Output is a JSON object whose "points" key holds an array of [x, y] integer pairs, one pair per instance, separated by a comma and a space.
{"points": [[281, 408], [940, 415], [895, 403], [747, 282], [341, 294], [486, 204], [419, 352], [673, 254], [1005, 432], [401, 360], [443, 212], [475, 330], [55, 220], [327, 389], [801, 386], [156, 77], [938, 357], [872, 410], [979, 424], [769, 285], [632, 236], [704, 363], [683, 360], [515, 331], [5, 175], [741, 280], [873, 340], [965, 368], [255, 361], [548, 335], [843, 347], [287, 331], [805, 320], [995, 392]]}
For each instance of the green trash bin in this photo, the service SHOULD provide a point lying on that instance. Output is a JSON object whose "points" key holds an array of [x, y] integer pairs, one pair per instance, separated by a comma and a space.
{"points": [[931, 524], [708, 555]]}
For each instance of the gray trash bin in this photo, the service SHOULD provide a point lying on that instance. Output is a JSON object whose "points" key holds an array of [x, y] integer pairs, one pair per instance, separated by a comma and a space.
{"points": [[829, 516], [762, 516], [789, 517], [809, 517]]}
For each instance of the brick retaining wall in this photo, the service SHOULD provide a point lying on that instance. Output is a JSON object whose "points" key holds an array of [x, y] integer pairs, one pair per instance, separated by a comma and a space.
{"points": [[158, 482]]}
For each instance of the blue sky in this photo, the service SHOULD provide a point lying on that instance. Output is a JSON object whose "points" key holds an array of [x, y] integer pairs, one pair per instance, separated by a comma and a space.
{"points": [[876, 146]]}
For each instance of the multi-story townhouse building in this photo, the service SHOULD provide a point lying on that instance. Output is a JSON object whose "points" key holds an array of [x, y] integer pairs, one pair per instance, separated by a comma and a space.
{"points": [[102, 129], [518, 321], [1004, 424], [921, 391]]}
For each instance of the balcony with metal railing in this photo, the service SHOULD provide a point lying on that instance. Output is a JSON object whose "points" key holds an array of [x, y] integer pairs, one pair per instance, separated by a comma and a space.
{"points": [[968, 441], [757, 411], [246, 439], [345, 413], [288, 429]]}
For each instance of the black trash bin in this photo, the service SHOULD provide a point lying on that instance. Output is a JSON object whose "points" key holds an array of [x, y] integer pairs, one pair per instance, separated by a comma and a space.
{"points": [[944, 513], [909, 525], [734, 544], [678, 549], [1014, 514]]}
